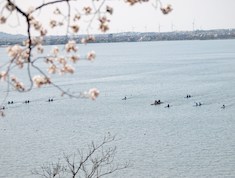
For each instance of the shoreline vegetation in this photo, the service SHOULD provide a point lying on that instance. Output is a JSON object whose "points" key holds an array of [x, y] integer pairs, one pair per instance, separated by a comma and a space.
{"points": [[8, 39]]}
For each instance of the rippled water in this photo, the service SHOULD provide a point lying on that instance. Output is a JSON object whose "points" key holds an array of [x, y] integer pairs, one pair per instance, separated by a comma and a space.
{"points": [[180, 141]]}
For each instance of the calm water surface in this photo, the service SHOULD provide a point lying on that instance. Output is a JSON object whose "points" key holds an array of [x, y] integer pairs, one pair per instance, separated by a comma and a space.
{"points": [[180, 141]]}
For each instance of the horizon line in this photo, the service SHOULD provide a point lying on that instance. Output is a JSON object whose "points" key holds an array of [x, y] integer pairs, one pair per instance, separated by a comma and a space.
{"points": [[131, 32]]}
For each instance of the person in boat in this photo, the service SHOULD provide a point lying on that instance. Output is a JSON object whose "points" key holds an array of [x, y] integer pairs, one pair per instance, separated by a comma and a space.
{"points": [[124, 98], [155, 102], [199, 104], [167, 106], [223, 107]]}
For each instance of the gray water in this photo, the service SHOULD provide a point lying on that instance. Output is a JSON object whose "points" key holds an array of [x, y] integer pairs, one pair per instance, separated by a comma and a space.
{"points": [[180, 141]]}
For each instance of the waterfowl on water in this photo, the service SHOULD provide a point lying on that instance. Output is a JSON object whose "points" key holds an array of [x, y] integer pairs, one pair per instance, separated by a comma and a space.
{"points": [[26, 101], [50, 100], [188, 96], [157, 102]]}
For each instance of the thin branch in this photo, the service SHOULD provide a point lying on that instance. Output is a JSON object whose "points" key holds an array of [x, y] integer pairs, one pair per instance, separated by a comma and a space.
{"points": [[69, 15], [17, 8], [56, 86], [50, 3], [91, 20], [30, 77]]}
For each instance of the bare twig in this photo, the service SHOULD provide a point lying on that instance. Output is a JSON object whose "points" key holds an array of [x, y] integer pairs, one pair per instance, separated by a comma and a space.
{"points": [[97, 162]]}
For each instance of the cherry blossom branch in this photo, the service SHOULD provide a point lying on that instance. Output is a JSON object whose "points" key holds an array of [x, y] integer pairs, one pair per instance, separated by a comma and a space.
{"points": [[69, 16], [94, 15], [24, 55]]}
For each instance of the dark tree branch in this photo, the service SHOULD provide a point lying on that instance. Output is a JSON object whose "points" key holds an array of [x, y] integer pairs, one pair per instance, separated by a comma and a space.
{"points": [[98, 162], [51, 3]]}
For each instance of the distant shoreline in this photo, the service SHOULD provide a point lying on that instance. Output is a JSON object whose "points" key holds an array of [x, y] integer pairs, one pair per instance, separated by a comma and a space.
{"points": [[220, 34]]}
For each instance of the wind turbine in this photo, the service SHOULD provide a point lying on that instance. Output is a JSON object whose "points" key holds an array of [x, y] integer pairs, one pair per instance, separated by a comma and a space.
{"points": [[193, 24]]}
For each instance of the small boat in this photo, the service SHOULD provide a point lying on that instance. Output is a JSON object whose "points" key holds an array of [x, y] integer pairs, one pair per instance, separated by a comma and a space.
{"points": [[157, 102], [124, 98]]}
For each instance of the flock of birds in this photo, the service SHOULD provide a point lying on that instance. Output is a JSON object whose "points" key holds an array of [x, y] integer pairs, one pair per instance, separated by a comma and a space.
{"points": [[158, 102], [25, 102]]}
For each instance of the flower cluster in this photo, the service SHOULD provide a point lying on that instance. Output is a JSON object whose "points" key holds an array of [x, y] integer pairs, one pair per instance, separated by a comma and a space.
{"points": [[57, 11], [36, 24], [91, 55], [104, 24], [167, 9], [55, 51], [76, 17], [58, 64], [52, 66], [74, 58], [52, 69], [18, 55], [93, 93], [87, 10], [88, 39], [14, 51], [132, 2], [53, 23], [67, 69], [71, 46], [41, 80], [40, 49], [2, 19], [3, 75], [17, 85], [34, 41], [74, 28]]}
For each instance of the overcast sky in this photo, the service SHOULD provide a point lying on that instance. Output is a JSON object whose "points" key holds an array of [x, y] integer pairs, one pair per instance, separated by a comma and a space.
{"points": [[200, 14]]}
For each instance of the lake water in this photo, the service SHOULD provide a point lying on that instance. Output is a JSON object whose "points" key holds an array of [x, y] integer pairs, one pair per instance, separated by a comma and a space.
{"points": [[180, 141]]}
